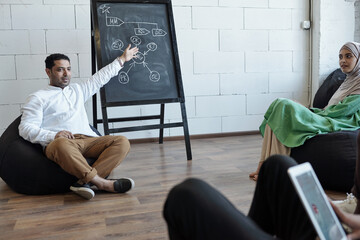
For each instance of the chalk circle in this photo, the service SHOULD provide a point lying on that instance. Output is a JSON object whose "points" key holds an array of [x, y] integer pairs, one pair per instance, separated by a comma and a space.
{"points": [[117, 44], [135, 40], [152, 46], [154, 76], [139, 58], [123, 78]]}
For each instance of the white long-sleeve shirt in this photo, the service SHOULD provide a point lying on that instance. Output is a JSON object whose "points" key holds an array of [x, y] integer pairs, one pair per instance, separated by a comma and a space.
{"points": [[53, 109]]}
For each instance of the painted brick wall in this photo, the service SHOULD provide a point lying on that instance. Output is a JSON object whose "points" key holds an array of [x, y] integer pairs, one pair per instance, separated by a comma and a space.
{"points": [[236, 57], [246, 53], [357, 21], [330, 32]]}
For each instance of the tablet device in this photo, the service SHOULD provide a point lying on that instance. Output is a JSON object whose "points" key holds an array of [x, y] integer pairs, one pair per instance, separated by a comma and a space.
{"points": [[316, 202]]}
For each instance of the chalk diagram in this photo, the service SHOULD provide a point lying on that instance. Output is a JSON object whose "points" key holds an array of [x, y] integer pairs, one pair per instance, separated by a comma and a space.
{"points": [[140, 30]]}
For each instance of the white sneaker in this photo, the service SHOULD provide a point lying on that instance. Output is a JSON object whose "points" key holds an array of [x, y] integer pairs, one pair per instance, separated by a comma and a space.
{"points": [[83, 190], [348, 205]]}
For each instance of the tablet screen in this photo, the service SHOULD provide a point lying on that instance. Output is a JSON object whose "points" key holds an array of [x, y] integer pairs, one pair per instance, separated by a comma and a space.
{"points": [[319, 206]]}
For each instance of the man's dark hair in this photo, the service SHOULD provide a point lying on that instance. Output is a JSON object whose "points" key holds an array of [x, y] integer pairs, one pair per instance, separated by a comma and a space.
{"points": [[49, 61]]}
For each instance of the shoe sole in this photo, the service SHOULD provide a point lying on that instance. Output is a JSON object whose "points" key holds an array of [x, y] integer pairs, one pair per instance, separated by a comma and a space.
{"points": [[84, 192]]}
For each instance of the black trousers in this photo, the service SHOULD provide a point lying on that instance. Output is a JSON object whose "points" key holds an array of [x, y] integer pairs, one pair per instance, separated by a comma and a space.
{"points": [[356, 188], [195, 210]]}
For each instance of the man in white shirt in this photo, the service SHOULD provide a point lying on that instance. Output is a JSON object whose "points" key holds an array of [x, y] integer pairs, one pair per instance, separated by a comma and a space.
{"points": [[55, 117]]}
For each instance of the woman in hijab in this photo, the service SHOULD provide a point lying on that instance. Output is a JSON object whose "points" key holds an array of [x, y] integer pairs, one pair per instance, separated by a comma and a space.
{"points": [[288, 124]]}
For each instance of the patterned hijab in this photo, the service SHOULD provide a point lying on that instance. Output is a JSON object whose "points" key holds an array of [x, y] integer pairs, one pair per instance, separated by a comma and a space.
{"points": [[351, 84]]}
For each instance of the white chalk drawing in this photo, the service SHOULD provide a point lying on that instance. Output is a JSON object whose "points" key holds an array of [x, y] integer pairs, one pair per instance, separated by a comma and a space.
{"points": [[140, 30], [117, 44], [140, 59], [104, 8], [135, 40], [117, 22], [151, 46]]}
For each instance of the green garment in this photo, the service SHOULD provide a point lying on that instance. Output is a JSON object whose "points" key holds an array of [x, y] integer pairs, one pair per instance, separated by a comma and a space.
{"points": [[293, 124]]}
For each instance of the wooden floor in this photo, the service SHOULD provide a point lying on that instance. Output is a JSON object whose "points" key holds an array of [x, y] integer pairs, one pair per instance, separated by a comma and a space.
{"points": [[223, 162]]}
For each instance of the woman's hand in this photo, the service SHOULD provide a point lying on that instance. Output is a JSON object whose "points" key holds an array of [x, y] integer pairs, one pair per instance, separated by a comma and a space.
{"points": [[352, 220]]}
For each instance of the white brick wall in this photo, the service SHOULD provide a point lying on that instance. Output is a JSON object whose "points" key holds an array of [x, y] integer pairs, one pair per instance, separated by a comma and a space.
{"points": [[287, 40], [7, 68], [241, 123], [213, 106], [285, 4], [244, 83], [236, 57], [195, 3], [76, 41], [269, 61], [12, 112], [287, 82], [197, 40], [194, 84], [357, 21], [82, 16], [218, 62], [21, 42], [267, 18], [43, 17], [244, 40], [66, 2], [331, 32], [182, 17], [259, 103], [217, 18], [85, 65], [20, 1], [16, 91], [30, 66], [5, 18], [244, 3]]}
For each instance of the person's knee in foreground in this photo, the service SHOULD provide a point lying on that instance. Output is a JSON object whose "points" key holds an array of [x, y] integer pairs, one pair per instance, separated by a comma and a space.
{"points": [[55, 117], [288, 124], [356, 188], [195, 210], [352, 203]]}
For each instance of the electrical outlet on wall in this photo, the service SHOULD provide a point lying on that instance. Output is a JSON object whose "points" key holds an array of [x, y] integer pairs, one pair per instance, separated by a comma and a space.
{"points": [[306, 24]]}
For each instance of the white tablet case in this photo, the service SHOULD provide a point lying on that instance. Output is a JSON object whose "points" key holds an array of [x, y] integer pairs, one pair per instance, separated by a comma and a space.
{"points": [[315, 202]]}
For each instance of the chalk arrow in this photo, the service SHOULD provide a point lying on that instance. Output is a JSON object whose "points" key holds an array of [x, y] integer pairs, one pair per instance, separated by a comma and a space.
{"points": [[141, 31], [157, 32], [114, 22]]}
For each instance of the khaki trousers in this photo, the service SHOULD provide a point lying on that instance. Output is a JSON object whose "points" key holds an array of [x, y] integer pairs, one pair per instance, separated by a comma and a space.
{"points": [[271, 145], [70, 154]]}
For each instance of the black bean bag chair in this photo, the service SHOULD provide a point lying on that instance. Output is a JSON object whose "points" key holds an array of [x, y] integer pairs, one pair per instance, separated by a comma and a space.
{"points": [[333, 155], [25, 168]]}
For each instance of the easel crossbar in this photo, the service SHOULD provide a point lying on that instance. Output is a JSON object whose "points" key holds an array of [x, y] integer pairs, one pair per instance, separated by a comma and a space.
{"points": [[127, 119], [146, 127]]}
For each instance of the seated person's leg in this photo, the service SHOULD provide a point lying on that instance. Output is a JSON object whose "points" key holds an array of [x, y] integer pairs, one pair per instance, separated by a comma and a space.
{"points": [[109, 150], [356, 188], [67, 154], [276, 207], [195, 210], [270, 146]]}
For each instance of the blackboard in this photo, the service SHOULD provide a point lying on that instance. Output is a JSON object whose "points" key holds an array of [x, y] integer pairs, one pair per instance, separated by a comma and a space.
{"points": [[155, 74], [153, 77]]}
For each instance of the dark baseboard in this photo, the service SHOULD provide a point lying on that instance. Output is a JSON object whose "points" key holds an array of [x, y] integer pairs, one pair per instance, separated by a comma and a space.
{"points": [[197, 136]]}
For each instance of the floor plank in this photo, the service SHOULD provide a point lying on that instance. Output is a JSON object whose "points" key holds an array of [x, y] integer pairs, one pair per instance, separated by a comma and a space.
{"points": [[156, 168]]}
